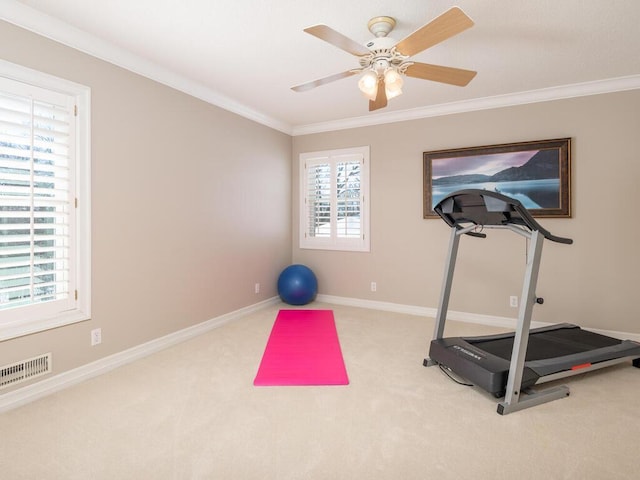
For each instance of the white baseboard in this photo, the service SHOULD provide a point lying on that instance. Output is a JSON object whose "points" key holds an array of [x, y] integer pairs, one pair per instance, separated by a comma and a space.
{"points": [[375, 305], [488, 320], [64, 380]]}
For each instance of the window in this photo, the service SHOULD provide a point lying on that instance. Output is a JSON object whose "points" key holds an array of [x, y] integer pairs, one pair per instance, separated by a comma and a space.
{"points": [[334, 210], [44, 202]]}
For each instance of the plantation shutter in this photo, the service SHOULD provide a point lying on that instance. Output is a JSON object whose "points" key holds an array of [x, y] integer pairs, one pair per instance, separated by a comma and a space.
{"points": [[334, 186], [36, 196], [348, 198], [319, 200]]}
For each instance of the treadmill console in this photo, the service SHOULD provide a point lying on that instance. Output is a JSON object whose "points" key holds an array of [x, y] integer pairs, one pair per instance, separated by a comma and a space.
{"points": [[487, 208]]}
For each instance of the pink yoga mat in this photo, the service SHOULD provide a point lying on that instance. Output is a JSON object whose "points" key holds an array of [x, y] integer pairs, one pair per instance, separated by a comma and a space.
{"points": [[303, 349]]}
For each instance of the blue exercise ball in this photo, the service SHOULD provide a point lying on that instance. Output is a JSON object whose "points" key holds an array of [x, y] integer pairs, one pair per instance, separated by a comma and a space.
{"points": [[297, 285]]}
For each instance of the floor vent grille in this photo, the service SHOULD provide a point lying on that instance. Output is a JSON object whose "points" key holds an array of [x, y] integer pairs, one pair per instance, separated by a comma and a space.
{"points": [[25, 370]]}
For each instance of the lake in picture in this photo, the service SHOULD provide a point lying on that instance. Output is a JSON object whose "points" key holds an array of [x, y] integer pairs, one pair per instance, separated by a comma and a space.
{"points": [[532, 194]]}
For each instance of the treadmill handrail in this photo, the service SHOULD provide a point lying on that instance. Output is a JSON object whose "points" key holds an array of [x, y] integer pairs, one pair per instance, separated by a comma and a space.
{"points": [[494, 209]]}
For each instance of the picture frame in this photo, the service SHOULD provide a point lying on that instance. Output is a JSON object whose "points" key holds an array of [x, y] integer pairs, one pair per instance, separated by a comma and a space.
{"points": [[537, 173]]}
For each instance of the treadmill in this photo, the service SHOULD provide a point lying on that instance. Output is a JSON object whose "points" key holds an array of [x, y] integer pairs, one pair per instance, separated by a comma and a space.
{"points": [[508, 365]]}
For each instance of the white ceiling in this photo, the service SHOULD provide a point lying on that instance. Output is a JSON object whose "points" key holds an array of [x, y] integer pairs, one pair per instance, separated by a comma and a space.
{"points": [[245, 55]]}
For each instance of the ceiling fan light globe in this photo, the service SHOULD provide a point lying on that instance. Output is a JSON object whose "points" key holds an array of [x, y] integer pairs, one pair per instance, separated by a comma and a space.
{"points": [[368, 84], [393, 83], [392, 77], [393, 92], [371, 94]]}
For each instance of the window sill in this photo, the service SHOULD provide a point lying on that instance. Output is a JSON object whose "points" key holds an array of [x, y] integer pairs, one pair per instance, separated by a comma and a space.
{"points": [[21, 328]]}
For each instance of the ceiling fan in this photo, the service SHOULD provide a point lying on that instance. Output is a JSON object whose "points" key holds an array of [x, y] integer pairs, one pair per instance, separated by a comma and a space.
{"points": [[384, 60]]}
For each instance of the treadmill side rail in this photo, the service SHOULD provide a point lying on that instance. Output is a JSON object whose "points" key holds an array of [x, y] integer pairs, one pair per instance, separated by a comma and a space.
{"points": [[589, 368]]}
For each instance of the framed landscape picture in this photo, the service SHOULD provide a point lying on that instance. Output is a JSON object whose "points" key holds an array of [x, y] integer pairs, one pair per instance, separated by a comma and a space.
{"points": [[536, 173]]}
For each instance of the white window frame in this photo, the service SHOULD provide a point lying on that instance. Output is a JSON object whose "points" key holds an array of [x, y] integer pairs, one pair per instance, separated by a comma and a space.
{"points": [[335, 241], [24, 320]]}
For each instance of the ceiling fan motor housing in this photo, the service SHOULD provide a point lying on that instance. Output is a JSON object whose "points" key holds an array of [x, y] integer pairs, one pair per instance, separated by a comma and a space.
{"points": [[383, 55], [381, 43]]}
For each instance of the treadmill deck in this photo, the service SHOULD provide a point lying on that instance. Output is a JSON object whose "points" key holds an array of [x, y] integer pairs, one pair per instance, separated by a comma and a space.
{"points": [[485, 360]]}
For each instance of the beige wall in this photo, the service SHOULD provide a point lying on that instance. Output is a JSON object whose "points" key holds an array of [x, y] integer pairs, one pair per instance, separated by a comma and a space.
{"points": [[593, 282], [191, 207]]}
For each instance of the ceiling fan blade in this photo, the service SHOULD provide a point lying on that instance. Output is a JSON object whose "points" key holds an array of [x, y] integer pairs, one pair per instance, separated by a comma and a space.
{"points": [[438, 73], [450, 23], [381, 98], [321, 81], [337, 39]]}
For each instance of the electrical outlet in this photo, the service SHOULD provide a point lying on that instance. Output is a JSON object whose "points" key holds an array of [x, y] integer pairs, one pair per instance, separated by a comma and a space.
{"points": [[513, 301], [257, 288], [96, 336], [374, 287]]}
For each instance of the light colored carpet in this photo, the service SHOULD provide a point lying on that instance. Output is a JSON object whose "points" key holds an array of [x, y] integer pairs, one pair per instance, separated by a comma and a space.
{"points": [[191, 412]]}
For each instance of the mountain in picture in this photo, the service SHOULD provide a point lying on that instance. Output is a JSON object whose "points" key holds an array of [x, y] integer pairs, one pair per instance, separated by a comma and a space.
{"points": [[543, 165]]}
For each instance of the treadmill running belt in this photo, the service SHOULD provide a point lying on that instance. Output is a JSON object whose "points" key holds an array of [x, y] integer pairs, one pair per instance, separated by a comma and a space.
{"points": [[549, 344]]}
